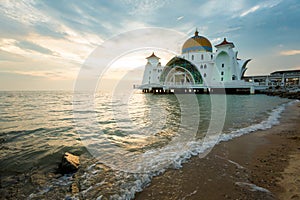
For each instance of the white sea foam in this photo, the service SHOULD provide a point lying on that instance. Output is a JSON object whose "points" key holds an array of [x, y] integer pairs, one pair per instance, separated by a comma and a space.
{"points": [[193, 148]]}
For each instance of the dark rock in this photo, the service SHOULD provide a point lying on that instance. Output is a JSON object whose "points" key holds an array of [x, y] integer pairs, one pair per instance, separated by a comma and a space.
{"points": [[69, 164], [282, 93], [38, 179]]}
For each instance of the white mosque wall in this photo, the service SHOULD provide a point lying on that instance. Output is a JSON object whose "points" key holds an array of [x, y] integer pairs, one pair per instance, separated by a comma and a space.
{"points": [[156, 71], [147, 74], [226, 63], [204, 61], [152, 71], [223, 65], [198, 57]]}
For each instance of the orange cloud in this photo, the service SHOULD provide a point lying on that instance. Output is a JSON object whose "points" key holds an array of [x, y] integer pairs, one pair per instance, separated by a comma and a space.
{"points": [[290, 52]]}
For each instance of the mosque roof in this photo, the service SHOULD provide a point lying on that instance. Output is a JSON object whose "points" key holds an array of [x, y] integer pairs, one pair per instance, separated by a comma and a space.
{"points": [[197, 43], [153, 56], [224, 43]]}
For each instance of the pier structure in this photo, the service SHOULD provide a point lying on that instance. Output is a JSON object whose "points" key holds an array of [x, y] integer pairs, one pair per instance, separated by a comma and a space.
{"points": [[199, 89]]}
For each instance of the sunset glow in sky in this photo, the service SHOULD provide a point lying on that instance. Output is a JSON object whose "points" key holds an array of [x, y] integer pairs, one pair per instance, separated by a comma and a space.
{"points": [[43, 44]]}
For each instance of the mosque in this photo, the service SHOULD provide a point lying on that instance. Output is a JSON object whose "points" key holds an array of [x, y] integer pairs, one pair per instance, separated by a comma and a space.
{"points": [[198, 70]]}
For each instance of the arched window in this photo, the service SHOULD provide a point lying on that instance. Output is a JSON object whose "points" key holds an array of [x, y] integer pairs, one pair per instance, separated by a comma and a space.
{"points": [[201, 66], [233, 77], [222, 64], [205, 66], [222, 79], [222, 73], [204, 74], [202, 57], [211, 56], [192, 57]]}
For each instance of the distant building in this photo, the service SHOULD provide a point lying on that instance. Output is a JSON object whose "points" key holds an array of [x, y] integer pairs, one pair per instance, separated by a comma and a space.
{"points": [[198, 69], [277, 78], [286, 72]]}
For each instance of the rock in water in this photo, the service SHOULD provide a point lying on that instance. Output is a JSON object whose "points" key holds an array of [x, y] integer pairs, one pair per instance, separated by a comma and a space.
{"points": [[69, 163]]}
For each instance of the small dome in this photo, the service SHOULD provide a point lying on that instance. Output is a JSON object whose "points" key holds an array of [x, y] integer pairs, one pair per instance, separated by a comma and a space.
{"points": [[197, 43]]}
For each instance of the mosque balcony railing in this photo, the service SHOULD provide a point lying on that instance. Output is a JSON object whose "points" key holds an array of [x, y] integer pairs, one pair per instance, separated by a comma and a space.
{"points": [[181, 85]]}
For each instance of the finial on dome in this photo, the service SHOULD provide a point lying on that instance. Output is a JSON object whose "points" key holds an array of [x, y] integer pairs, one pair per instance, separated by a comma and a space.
{"points": [[196, 32]]}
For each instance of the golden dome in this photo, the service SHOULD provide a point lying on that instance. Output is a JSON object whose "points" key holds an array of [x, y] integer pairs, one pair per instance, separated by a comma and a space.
{"points": [[197, 43]]}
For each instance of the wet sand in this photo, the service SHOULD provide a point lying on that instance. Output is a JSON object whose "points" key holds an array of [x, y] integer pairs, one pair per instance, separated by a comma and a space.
{"points": [[261, 165]]}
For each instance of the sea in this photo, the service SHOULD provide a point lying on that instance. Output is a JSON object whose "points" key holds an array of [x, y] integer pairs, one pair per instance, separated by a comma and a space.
{"points": [[123, 140]]}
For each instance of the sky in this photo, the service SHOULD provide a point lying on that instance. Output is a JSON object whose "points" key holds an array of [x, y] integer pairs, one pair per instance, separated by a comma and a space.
{"points": [[44, 44]]}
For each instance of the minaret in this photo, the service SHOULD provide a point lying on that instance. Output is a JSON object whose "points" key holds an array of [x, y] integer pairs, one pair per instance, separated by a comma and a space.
{"points": [[226, 62], [152, 70], [153, 59]]}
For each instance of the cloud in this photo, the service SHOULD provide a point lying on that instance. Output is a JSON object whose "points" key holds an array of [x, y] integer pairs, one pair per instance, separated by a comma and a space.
{"points": [[210, 8], [75, 46], [180, 18], [23, 11], [129, 25], [270, 3], [37, 33], [229, 30], [216, 40], [47, 71], [144, 7], [49, 74], [60, 49], [6, 56], [263, 5], [251, 10], [34, 47], [10, 45], [290, 52]]}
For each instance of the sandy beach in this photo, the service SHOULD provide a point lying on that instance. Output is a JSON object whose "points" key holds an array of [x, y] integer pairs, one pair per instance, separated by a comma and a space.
{"points": [[261, 165]]}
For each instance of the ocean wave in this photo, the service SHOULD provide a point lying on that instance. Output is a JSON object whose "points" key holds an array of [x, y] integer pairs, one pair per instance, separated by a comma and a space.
{"points": [[199, 147]]}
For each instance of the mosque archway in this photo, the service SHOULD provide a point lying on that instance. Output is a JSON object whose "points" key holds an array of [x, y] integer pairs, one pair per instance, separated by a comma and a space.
{"points": [[179, 76], [179, 71]]}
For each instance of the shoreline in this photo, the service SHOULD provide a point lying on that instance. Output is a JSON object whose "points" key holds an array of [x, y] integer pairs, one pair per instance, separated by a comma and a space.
{"points": [[260, 165]]}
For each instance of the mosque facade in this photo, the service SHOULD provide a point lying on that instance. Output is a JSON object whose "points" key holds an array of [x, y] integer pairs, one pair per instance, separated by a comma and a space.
{"points": [[198, 70]]}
